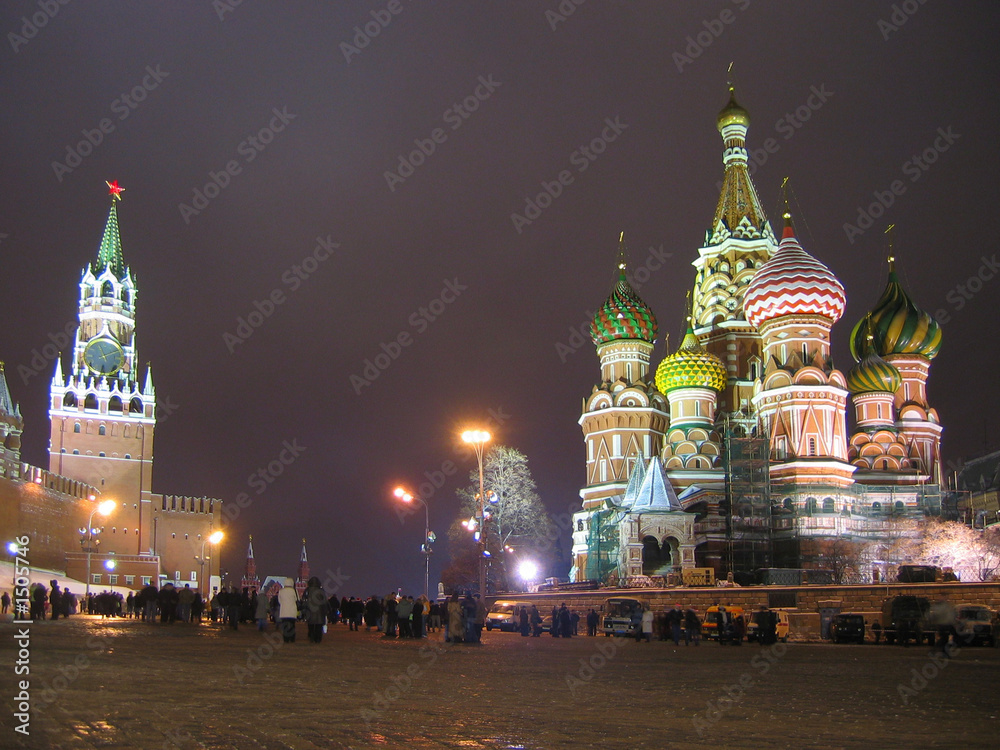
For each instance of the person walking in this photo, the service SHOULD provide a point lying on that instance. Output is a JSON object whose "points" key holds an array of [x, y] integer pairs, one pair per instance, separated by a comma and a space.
{"points": [[646, 627], [5, 602], [315, 608], [692, 627], [55, 600], [260, 613], [522, 621], [592, 621], [288, 610]]}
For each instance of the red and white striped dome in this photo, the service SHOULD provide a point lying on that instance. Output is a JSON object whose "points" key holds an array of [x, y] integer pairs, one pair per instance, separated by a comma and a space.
{"points": [[793, 282]]}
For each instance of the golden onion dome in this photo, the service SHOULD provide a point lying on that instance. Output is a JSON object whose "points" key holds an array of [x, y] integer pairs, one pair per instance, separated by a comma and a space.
{"points": [[690, 367], [733, 113]]}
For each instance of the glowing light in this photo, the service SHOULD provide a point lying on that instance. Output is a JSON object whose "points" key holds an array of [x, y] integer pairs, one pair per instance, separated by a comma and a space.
{"points": [[215, 537], [114, 190], [110, 564], [527, 570], [476, 436], [13, 548], [105, 507]]}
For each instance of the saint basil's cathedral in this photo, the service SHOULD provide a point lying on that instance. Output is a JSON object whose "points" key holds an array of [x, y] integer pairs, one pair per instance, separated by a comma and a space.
{"points": [[736, 453]]}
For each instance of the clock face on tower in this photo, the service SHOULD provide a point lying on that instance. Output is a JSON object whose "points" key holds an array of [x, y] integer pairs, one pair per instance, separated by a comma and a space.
{"points": [[104, 356]]}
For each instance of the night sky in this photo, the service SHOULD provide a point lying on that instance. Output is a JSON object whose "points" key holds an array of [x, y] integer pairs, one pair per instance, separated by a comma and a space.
{"points": [[434, 254]]}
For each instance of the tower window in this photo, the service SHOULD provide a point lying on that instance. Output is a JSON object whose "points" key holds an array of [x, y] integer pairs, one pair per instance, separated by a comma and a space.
{"points": [[135, 406], [102, 430], [108, 290], [69, 399], [90, 402], [102, 455], [812, 446], [128, 455], [115, 404], [76, 428]]}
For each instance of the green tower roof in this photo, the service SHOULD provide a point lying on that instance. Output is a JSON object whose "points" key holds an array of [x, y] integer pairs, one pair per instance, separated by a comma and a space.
{"points": [[110, 253]]}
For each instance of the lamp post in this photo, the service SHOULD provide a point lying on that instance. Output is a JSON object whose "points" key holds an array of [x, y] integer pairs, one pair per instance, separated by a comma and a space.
{"points": [[477, 439], [104, 508], [406, 497], [214, 538]]}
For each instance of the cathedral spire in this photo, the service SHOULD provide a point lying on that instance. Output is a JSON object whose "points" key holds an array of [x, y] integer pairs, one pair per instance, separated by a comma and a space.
{"points": [[110, 253], [738, 212]]}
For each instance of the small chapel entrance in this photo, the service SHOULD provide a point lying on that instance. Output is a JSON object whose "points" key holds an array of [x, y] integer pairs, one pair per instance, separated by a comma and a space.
{"points": [[660, 559]]}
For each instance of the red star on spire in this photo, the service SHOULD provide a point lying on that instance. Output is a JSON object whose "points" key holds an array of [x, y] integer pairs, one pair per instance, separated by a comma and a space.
{"points": [[114, 191]]}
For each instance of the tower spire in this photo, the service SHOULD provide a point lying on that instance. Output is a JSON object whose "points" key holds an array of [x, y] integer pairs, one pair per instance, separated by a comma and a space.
{"points": [[302, 582], [892, 254], [110, 253], [738, 212]]}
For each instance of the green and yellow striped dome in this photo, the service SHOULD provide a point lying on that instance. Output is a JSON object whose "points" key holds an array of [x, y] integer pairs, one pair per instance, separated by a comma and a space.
{"points": [[873, 375], [623, 316], [898, 326], [690, 367]]}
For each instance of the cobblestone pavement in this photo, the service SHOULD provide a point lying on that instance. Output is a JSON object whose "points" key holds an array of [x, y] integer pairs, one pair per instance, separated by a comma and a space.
{"points": [[125, 684]]}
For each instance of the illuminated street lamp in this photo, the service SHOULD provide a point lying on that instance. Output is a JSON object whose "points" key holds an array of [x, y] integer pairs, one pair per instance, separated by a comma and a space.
{"points": [[214, 538], [429, 537], [477, 439], [104, 508]]}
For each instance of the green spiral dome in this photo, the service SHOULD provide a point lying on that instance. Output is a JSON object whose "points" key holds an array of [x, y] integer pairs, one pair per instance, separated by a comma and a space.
{"points": [[898, 326], [690, 367], [873, 375], [623, 316]]}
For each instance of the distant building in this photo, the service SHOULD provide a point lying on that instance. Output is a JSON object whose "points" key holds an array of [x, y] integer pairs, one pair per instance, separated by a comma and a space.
{"points": [[735, 453], [978, 491]]}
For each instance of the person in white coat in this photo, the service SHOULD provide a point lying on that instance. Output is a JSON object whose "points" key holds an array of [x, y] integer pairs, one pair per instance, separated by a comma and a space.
{"points": [[288, 610], [647, 624]]}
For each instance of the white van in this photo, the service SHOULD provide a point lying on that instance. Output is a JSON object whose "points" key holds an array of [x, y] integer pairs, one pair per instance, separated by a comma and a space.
{"points": [[506, 615]]}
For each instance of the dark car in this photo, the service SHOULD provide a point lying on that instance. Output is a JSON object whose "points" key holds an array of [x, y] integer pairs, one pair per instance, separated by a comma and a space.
{"points": [[847, 627]]}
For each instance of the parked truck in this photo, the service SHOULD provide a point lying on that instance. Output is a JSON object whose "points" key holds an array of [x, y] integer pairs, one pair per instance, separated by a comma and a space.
{"points": [[905, 618]]}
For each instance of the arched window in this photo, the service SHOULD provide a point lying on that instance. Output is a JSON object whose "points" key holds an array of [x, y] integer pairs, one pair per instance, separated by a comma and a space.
{"points": [[812, 446], [76, 451], [787, 504], [115, 404], [811, 506], [828, 505], [102, 430], [126, 298], [108, 290], [135, 406], [876, 507], [900, 507], [76, 428], [90, 402], [69, 399]]}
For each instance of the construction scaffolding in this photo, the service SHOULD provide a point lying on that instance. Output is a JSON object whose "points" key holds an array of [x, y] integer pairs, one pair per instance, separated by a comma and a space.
{"points": [[602, 546], [747, 503]]}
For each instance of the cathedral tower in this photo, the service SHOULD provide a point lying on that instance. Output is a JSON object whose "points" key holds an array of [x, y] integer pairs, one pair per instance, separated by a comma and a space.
{"points": [[907, 338], [102, 417], [793, 301], [739, 242], [625, 416]]}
